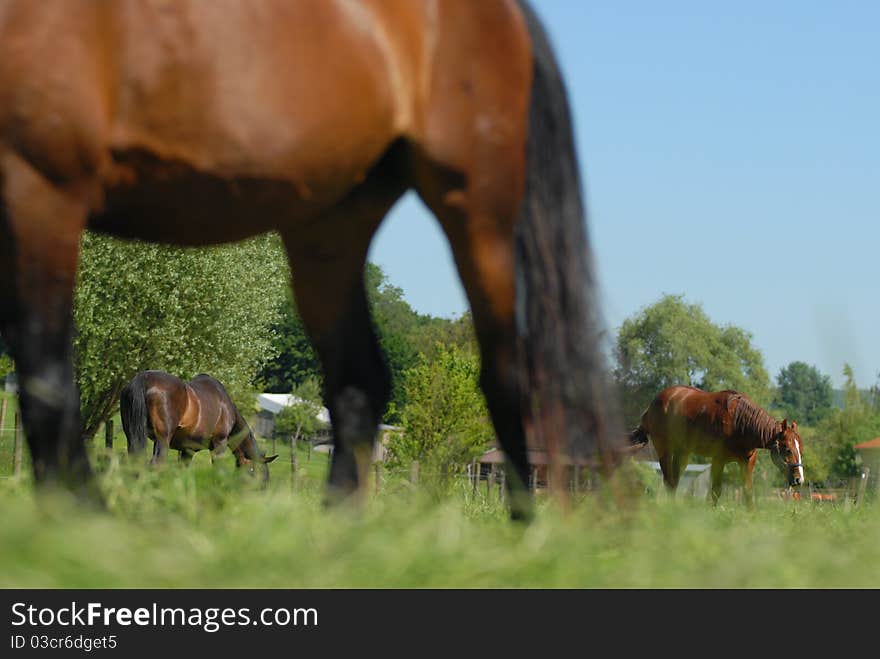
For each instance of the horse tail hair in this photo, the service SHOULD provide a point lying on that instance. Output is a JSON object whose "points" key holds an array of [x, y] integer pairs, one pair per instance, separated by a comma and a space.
{"points": [[569, 406], [638, 437], [133, 410]]}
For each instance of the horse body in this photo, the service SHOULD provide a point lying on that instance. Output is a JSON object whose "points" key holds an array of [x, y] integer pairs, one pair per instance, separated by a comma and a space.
{"points": [[725, 426], [186, 416], [190, 123]]}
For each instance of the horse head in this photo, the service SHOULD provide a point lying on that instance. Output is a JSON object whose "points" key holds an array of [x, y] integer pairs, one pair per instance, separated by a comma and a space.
{"points": [[786, 452]]}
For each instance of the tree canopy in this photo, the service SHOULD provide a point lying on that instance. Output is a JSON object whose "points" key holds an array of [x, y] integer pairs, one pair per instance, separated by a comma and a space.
{"points": [[186, 311], [842, 429], [403, 334], [445, 420], [672, 342], [804, 393]]}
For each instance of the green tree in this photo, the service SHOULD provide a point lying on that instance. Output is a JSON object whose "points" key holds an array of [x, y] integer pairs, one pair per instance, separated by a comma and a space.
{"points": [[403, 334], [804, 393], [445, 420], [300, 419], [294, 361], [182, 310], [841, 430], [674, 343]]}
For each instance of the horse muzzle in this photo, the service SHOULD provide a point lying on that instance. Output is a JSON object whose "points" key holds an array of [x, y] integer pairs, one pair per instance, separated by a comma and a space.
{"points": [[795, 474]]}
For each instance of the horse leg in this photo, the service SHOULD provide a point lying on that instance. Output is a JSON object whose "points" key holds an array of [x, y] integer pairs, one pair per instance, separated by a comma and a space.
{"points": [[716, 475], [327, 261], [357, 381], [747, 468], [667, 466], [186, 457], [161, 445], [679, 464], [479, 223], [219, 448], [40, 228]]}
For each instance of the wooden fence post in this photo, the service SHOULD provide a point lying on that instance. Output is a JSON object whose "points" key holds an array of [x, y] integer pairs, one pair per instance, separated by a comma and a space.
{"points": [[108, 434], [476, 474], [414, 472], [490, 483], [16, 452], [377, 468]]}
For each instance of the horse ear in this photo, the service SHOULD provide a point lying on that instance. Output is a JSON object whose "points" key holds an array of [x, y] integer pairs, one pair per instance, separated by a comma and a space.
{"points": [[269, 459], [794, 425], [785, 424]]}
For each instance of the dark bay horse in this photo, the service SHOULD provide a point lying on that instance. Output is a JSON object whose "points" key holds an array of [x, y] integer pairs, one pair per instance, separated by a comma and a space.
{"points": [[195, 123], [188, 417], [725, 426]]}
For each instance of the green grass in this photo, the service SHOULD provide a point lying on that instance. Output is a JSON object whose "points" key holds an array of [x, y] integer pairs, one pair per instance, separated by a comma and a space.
{"points": [[208, 526]]}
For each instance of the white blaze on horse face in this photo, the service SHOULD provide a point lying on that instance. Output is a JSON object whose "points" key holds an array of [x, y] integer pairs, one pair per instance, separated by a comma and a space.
{"points": [[797, 453]]}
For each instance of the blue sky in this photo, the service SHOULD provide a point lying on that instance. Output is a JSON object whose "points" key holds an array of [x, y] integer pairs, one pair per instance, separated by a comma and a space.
{"points": [[730, 153]]}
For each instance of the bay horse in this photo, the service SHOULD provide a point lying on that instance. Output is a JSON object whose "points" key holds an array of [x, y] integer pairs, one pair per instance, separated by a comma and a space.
{"points": [[196, 123], [726, 426], [188, 417]]}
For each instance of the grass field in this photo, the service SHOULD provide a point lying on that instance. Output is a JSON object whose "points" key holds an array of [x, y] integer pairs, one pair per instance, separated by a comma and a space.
{"points": [[208, 526]]}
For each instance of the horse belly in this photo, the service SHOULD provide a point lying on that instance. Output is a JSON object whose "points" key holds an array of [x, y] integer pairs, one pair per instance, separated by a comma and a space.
{"points": [[184, 441]]}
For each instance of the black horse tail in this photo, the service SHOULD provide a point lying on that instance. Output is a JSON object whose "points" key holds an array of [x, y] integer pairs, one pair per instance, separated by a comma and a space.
{"points": [[638, 437], [569, 404], [133, 410]]}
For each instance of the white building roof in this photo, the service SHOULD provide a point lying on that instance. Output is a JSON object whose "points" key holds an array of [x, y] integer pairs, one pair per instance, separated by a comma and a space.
{"points": [[274, 403]]}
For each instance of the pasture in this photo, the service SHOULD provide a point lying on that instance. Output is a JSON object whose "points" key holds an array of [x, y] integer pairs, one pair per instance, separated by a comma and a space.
{"points": [[209, 526]]}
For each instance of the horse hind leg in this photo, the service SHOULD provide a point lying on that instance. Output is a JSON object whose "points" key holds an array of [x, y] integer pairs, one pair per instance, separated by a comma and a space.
{"points": [[163, 425], [327, 262], [479, 224], [40, 228], [667, 467]]}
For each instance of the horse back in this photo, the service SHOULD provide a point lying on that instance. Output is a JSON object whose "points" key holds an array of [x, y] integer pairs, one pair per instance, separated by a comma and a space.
{"points": [[217, 413], [686, 410]]}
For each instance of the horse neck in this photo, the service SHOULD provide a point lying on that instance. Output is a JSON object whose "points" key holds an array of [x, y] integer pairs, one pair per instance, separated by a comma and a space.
{"points": [[754, 438]]}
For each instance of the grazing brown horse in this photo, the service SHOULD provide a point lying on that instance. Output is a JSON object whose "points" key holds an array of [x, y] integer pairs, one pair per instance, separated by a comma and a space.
{"points": [[195, 122], [725, 426], [188, 417]]}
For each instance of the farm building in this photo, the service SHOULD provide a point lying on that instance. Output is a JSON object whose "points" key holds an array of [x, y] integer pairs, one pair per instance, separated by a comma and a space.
{"points": [[271, 404], [578, 471]]}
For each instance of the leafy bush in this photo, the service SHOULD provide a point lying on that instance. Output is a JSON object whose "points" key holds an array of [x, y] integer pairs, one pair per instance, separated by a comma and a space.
{"points": [[445, 420]]}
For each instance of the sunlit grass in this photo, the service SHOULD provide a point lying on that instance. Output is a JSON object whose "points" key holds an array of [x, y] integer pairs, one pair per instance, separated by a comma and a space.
{"points": [[209, 526]]}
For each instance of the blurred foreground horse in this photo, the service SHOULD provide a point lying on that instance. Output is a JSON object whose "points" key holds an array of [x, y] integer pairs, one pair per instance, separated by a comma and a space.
{"points": [[188, 417], [196, 123]]}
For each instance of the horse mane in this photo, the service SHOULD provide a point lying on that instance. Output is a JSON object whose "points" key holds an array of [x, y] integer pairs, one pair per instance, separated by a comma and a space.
{"points": [[749, 419]]}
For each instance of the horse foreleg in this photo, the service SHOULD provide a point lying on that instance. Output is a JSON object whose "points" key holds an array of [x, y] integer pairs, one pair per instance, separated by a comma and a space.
{"points": [[40, 229], [747, 468], [716, 474], [219, 448]]}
